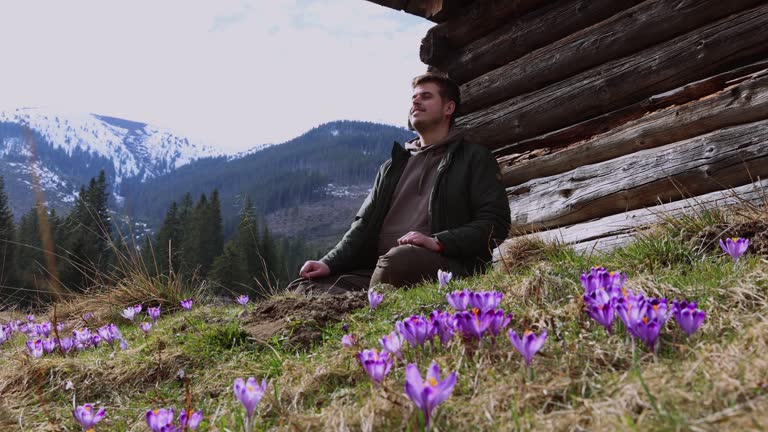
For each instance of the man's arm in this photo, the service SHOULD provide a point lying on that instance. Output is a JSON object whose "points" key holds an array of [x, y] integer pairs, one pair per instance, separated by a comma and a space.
{"points": [[489, 208], [346, 254]]}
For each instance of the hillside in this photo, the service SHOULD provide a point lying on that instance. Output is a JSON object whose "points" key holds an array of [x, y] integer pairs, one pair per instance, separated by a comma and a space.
{"points": [[582, 379], [307, 170], [147, 168]]}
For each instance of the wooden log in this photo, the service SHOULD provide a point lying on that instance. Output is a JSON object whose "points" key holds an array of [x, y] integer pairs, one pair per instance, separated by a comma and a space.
{"points": [[472, 22], [604, 123], [624, 223], [741, 103], [616, 230], [520, 37], [721, 159], [620, 35], [731, 42], [434, 10]]}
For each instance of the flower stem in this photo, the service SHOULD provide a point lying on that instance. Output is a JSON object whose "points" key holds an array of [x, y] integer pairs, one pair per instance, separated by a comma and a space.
{"points": [[639, 373]]}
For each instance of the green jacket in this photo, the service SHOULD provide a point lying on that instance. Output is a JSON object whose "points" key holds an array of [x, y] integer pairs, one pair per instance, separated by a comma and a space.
{"points": [[468, 209]]}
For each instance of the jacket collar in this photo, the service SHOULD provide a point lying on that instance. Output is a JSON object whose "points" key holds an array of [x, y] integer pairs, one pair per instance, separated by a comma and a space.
{"points": [[453, 141]]}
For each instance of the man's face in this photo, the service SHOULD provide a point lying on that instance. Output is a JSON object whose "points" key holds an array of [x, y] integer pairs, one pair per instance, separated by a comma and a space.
{"points": [[428, 109]]}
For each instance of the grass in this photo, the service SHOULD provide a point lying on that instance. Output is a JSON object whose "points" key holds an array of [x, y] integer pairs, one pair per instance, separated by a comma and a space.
{"points": [[583, 379]]}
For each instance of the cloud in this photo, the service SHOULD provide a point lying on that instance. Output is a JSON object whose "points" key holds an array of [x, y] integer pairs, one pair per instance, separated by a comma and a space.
{"points": [[236, 73]]}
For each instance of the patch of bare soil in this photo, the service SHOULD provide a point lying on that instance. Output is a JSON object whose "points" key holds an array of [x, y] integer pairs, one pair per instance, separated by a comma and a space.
{"points": [[754, 230], [300, 320]]}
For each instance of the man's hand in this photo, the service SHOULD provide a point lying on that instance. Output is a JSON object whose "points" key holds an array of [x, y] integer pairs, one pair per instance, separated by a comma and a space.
{"points": [[314, 269], [418, 239]]}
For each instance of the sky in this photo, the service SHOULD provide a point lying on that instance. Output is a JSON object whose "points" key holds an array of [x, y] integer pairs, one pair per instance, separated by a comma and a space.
{"points": [[232, 73]]}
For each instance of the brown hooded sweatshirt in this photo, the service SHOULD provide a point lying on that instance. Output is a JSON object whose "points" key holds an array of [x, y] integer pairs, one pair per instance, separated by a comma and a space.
{"points": [[410, 203]]}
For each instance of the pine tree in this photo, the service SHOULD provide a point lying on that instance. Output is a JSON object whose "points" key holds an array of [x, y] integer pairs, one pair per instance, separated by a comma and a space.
{"points": [[7, 238], [193, 226], [247, 237], [228, 270], [87, 237], [168, 242], [213, 233]]}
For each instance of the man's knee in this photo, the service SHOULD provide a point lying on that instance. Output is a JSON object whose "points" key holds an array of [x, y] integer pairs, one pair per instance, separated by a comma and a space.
{"points": [[402, 265], [398, 258]]}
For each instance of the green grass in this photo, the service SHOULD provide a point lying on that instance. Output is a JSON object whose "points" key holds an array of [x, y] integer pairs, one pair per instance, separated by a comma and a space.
{"points": [[583, 378]]}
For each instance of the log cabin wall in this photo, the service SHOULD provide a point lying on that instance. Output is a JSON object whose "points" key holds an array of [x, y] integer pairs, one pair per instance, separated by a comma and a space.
{"points": [[600, 110]]}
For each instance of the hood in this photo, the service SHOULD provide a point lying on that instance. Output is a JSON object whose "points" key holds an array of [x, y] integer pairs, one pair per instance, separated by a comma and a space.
{"points": [[414, 146]]}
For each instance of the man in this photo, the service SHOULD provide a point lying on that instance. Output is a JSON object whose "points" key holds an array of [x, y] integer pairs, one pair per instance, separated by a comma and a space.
{"points": [[436, 204]]}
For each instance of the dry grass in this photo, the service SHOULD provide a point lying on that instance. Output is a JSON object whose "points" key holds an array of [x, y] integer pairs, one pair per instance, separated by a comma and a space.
{"points": [[582, 380]]}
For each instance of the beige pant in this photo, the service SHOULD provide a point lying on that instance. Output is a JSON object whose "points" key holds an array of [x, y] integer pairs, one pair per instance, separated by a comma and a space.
{"points": [[401, 266]]}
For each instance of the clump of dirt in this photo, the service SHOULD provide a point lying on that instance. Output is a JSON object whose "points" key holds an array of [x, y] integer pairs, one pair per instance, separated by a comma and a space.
{"points": [[754, 230], [300, 320]]}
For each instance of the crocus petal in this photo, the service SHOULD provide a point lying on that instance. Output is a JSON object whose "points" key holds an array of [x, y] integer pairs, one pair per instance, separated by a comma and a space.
{"points": [[414, 385]]}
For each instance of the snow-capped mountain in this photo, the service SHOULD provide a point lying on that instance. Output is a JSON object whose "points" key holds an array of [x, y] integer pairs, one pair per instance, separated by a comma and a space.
{"points": [[61, 151], [135, 149]]}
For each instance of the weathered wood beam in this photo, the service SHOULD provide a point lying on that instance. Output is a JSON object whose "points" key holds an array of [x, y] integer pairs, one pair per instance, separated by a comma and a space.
{"points": [[434, 10], [731, 42], [741, 103], [553, 141], [523, 35], [471, 23], [622, 34], [725, 158], [614, 230]]}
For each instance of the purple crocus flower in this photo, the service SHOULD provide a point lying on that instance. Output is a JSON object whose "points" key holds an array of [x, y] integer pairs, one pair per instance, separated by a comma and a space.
{"points": [[105, 334], [95, 339], [629, 310], [444, 278], [249, 393], [87, 316], [735, 247], [688, 316], [49, 345], [376, 364], [137, 308], [416, 330], [43, 329], [114, 332], [66, 344], [599, 277], [485, 300], [186, 304], [30, 318], [459, 300], [599, 305], [87, 416], [473, 323], [647, 330], [35, 348], [243, 300], [429, 393], [60, 326], [349, 340], [374, 298], [497, 320], [154, 313], [160, 420], [145, 327], [191, 421], [445, 325], [393, 344], [529, 344], [82, 337], [4, 334], [14, 325], [128, 313]]}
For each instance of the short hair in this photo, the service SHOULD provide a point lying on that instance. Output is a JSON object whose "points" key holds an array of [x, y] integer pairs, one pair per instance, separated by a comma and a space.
{"points": [[448, 88]]}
